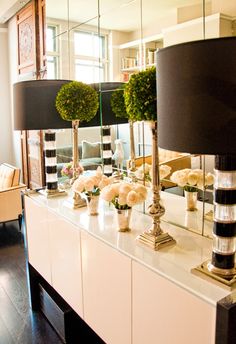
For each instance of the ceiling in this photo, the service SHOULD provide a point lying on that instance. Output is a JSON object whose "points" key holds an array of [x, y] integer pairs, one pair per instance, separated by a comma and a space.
{"points": [[9, 7], [125, 12], [116, 14]]}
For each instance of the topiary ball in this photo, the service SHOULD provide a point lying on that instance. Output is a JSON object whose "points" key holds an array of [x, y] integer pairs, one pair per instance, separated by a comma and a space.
{"points": [[77, 101], [118, 102], [141, 96]]}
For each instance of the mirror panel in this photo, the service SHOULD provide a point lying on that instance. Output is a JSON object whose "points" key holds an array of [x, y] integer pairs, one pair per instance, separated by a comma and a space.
{"points": [[72, 40], [83, 12], [57, 15], [165, 24], [132, 31], [120, 21]]}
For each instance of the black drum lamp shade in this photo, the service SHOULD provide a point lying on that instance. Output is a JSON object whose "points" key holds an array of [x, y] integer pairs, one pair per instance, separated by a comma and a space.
{"points": [[34, 109], [196, 102], [34, 105], [196, 92], [106, 89]]}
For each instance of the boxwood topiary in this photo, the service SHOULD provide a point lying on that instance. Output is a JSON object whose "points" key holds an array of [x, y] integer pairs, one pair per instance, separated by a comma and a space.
{"points": [[118, 102], [77, 101], [141, 97]]}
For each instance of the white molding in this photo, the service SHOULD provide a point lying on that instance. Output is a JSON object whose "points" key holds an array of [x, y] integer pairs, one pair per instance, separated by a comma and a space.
{"points": [[137, 42], [197, 21]]}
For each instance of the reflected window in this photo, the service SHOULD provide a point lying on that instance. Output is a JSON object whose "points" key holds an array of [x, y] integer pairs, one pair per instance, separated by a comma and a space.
{"points": [[88, 46], [52, 52], [89, 71]]}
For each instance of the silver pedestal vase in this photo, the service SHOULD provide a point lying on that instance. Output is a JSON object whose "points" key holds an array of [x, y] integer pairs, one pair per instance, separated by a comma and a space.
{"points": [[155, 237]]}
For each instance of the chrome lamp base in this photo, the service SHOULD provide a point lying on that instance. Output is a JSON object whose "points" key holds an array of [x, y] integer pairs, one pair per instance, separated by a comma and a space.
{"points": [[76, 201], [154, 237], [220, 277], [156, 242], [52, 193]]}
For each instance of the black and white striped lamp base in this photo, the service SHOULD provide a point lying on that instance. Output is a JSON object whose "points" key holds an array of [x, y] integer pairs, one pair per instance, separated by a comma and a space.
{"points": [[51, 189], [106, 151], [222, 265]]}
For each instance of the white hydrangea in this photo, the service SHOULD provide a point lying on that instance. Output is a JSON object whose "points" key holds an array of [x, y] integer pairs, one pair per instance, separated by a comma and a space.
{"points": [[91, 185], [191, 180], [124, 195]]}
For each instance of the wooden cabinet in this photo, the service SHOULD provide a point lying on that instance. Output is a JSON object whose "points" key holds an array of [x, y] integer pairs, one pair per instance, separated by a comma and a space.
{"points": [[165, 313], [38, 238], [106, 290], [66, 261]]}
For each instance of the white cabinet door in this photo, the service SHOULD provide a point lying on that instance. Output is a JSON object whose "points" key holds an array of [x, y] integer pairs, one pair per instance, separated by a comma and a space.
{"points": [[66, 261], [38, 238], [164, 313], [107, 290]]}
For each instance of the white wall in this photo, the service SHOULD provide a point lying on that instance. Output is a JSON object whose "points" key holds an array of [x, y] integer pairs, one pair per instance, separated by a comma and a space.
{"points": [[224, 6], [6, 154], [13, 77], [192, 30], [192, 12], [64, 137]]}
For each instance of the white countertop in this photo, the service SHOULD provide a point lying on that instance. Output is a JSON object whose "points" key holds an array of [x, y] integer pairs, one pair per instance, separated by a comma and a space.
{"points": [[173, 263]]}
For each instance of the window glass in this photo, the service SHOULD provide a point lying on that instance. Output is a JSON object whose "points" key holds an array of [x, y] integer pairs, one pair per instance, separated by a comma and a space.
{"points": [[89, 71], [89, 44], [51, 67], [52, 53], [51, 42]]}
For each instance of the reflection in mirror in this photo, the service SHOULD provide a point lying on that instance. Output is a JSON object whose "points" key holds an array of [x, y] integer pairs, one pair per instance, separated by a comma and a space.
{"points": [[73, 53], [162, 26], [131, 32], [121, 22], [132, 48]]}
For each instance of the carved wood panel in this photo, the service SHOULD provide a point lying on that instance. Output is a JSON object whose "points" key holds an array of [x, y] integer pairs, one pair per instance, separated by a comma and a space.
{"points": [[26, 40]]}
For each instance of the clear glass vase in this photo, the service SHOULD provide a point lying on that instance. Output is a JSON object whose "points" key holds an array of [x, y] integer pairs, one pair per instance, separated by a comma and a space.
{"points": [[191, 200], [123, 219], [92, 204]]}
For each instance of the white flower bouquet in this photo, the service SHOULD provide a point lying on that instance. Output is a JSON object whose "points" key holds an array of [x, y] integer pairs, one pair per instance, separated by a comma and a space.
{"points": [[91, 185], [192, 180], [124, 195], [144, 172]]}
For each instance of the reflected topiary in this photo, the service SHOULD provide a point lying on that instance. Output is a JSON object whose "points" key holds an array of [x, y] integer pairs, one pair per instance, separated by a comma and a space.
{"points": [[118, 102], [141, 97], [77, 101]]}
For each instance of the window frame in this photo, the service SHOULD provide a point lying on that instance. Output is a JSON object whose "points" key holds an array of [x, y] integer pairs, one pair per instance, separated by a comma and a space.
{"points": [[55, 53]]}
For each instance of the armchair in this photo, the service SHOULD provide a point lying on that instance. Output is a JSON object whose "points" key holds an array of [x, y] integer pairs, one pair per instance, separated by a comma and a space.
{"points": [[10, 194]]}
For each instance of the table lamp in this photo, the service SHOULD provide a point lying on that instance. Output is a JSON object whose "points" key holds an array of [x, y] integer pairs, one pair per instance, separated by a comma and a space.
{"points": [[196, 94], [34, 109], [108, 118]]}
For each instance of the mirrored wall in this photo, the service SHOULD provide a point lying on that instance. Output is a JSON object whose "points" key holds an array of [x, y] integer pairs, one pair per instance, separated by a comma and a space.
{"points": [[109, 40]]}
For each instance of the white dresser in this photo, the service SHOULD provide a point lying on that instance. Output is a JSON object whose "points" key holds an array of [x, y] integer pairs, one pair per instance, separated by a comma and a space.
{"points": [[124, 291]]}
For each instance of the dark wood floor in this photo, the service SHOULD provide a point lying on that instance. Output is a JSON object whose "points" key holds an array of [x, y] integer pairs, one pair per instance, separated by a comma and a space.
{"points": [[18, 324]]}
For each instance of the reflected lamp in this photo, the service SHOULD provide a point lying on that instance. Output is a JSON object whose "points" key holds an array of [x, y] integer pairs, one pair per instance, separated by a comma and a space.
{"points": [[196, 92], [108, 118]]}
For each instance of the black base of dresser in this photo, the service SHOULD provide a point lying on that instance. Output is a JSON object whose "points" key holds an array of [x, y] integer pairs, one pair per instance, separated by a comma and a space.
{"points": [[65, 321]]}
